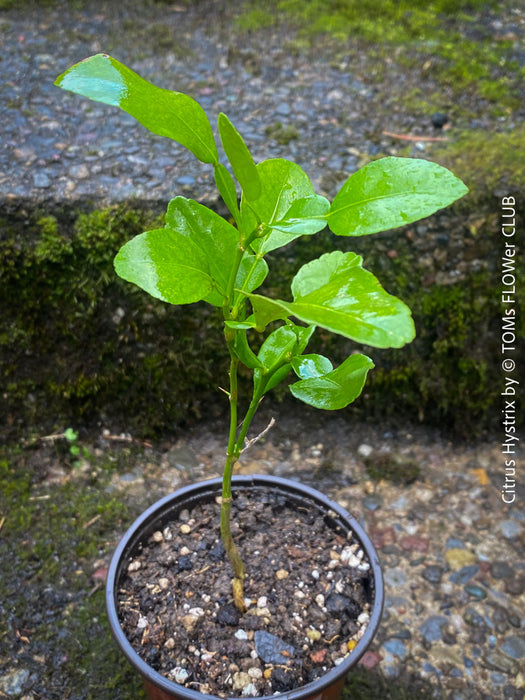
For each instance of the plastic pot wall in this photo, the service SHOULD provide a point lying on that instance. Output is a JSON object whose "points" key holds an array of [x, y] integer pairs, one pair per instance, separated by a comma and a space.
{"points": [[158, 687]]}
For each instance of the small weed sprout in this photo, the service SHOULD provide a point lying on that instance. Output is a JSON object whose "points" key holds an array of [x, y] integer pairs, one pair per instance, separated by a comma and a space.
{"points": [[199, 255]]}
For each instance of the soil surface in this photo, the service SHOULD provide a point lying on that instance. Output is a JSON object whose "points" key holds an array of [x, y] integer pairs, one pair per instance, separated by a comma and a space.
{"points": [[308, 595]]}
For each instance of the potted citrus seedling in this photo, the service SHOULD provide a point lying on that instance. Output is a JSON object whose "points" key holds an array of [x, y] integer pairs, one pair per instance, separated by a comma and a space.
{"points": [[252, 586]]}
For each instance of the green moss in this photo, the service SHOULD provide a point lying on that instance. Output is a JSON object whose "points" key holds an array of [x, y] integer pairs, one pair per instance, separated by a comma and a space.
{"points": [[58, 523], [78, 346], [77, 343], [392, 467], [281, 133], [489, 162], [365, 685], [453, 39]]}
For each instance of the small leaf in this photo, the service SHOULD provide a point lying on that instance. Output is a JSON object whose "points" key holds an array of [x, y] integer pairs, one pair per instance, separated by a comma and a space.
{"points": [[337, 388], [244, 351], [240, 158], [336, 293], [391, 192], [226, 187], [164, 112], [307, 366], [282, 184], [252, 273], [240, 325], [305, 217], [277, 352]]}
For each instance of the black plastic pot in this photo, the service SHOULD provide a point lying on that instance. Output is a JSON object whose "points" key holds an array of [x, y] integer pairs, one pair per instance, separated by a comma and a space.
{"points": [[158, 687]]}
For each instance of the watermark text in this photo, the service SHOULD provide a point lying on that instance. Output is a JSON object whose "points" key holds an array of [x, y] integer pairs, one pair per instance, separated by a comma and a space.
{"points": [[510, 382]]}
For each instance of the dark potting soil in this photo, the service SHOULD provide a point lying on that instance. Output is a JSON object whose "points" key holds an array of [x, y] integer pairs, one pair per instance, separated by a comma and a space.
{"points": [[309, 591]]}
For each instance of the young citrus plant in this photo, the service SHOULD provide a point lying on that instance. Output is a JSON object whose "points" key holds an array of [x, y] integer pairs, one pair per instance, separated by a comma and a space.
{"points": [[199, 255]]}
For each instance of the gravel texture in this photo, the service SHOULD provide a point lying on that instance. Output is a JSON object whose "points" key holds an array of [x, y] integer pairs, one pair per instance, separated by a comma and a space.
{"points": [[328, 112], [454, 570]]}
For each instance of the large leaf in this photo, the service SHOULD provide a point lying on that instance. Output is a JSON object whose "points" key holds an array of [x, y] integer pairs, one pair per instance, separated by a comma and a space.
{"points": [[282, 184], [163, 112], [337, 388], [190, 259], [167, 265], [215, 238], [336, 293], [391, 192], [240, 158]]}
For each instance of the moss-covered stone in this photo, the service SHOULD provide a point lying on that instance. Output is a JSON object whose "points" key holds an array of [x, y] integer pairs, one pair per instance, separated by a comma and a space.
{"points": [[78, 346]]}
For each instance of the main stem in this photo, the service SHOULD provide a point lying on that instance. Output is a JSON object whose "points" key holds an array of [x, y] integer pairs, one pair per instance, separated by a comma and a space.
{"points": [[231, 457], [231, 312]]}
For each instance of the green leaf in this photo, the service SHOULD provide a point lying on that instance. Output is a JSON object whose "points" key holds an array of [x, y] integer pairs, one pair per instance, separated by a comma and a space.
{"points": [[226, 187], [337, 388], [305, 217], [214, 236], [282, 184], [244, 352], [240, 158], [336, 293], [240, 325], [276, 354], [190, 259], [164, 112], [391, 192], [167, 265], [307, 366]]}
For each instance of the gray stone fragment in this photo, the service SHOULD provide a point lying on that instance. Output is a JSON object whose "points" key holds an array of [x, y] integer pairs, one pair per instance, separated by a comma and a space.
{"points": [[514, 647], [431, 627], [271, 649]]}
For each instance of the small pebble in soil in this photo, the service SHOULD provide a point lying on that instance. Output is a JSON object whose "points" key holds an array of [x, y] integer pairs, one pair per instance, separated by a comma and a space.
{"points": [[179, 674], [271, 649], [439, 119], [514, 647], [228, 615]]}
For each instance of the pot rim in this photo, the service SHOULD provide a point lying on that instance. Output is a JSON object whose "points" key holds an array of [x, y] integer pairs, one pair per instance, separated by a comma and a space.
{"points": [[132, 537]]}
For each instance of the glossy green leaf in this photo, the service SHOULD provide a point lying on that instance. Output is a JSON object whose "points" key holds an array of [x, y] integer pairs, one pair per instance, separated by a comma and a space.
{"points": [[167, 265], [190, 259], [214, 237], [337, 388], [240, 325], [252, 273], [308, 366], [277, 353], [336, 293], [240, 158], [244, 352], [164, 112], [391, 192], [282, 184], [227, 190], [305, 217]]}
